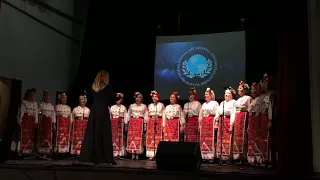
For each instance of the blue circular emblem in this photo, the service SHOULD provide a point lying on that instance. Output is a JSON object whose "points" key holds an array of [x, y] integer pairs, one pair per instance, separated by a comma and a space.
{"points": [[197, 66]]}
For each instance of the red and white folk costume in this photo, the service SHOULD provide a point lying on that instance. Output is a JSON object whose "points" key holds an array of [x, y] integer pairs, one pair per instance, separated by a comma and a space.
{"points": [[46, 125], [64, 123], [154, 126], [253, 125], [80, 119], [119, 117], [137, 118], [240, 122], [27, 119], [207, 125], [191, 110], [266, 109], [173, 119], [226, 113]]}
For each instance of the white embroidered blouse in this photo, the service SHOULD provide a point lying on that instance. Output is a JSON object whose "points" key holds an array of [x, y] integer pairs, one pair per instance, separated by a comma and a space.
{"points": [[47, 109], [173, 111]]}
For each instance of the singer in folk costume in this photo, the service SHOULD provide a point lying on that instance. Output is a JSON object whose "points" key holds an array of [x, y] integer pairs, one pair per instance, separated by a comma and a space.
{"points": [[207, 125], [154, 126], [173, 119], [226, 115], [240, 145], [253, 125], [64, 124], [191, 110], [47, 125], [27, 120], [80, 120], [268, 155], [137, 118], [119, 124]]}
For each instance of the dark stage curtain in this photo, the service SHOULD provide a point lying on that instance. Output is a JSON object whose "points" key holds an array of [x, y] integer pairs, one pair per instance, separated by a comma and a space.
{"points": [[293, 94], [15, 99]]}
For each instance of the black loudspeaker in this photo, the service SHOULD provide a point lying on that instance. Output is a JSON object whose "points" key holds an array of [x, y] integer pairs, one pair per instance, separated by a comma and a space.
{"points": [[178, 156]]}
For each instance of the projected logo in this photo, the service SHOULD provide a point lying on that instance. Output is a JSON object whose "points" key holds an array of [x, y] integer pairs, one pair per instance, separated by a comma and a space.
{"points": [[197, 66]]}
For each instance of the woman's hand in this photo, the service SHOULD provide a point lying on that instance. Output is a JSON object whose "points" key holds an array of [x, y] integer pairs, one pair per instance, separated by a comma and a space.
{"points": [[269, 125], [231, 129]]}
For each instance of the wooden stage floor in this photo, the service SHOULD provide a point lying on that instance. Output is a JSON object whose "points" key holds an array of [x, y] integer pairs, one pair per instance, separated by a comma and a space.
{"points": [[129, 165]]}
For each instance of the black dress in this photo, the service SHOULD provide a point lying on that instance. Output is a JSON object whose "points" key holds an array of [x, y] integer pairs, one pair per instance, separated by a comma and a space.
{"points": [[97, 143]]}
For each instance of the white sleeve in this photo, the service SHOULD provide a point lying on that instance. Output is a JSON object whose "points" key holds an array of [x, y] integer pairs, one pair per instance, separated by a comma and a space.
{"points": [[125, 115], [182, 116], [146, 114]]}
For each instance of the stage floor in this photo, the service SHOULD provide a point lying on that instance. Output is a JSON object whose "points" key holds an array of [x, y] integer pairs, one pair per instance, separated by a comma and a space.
{"points": [[129, 165]]}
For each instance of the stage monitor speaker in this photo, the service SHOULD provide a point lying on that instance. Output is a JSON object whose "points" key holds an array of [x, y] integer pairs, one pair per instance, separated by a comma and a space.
{"points": [[178, 156]]}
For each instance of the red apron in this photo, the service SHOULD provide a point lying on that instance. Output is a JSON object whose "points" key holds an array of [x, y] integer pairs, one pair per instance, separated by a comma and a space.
{"points": [[27, 135], [191, 132], [79, 128], [239, 132], [207, 138], [135, 131], [63, 134], [252, 135], [226, 138], [117, 136], [264, 139], [153, 138], [172, 130], [45, 135]]}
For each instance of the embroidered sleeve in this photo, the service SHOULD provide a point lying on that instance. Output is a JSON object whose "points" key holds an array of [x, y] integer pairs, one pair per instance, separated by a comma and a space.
{"points": [[146, 114], [181, 116]]}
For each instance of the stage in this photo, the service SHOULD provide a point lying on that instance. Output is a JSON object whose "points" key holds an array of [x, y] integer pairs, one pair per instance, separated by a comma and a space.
{"points": [[125, 169]]}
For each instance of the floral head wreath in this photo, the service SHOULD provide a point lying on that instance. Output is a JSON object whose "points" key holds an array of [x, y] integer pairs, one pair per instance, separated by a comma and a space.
{"points": [[265, 77], [120, 95], [176, 94], [61, 94], [233, 91], [244, 85], [209, 90], [254, 85], [193, 91], [155, 93], [136, 94], [84, 95]]}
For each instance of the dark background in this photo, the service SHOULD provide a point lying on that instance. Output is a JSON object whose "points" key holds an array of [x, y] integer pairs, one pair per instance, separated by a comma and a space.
{"points": [[124, 43]]}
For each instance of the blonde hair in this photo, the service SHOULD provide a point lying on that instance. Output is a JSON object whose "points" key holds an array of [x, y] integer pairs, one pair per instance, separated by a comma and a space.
{"points": [[100, 82]]}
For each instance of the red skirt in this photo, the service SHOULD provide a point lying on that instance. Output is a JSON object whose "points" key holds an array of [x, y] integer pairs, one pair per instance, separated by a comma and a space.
{"points": [[226, 138], [172, 130], [264, 139], [45, 135], [79, 128], [27, 136], [117, 127], [191, 132], [63, 134], [153, 137], [207, 137], [135, 132], [252, 135], [257, 149], [239, 132]]}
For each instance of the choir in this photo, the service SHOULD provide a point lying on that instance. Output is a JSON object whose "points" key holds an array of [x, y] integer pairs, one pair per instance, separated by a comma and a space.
{"points": [[233, 131]]}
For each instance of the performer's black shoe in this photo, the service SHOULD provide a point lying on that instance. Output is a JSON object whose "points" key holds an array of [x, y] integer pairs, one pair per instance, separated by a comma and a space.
{"points": [[114, 163]]}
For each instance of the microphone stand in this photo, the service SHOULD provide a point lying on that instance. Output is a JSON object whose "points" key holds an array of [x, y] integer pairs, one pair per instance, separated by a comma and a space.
{"points": [[186, 129], [155, 131], [82, 132], [119, 140], [221, 133]]}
